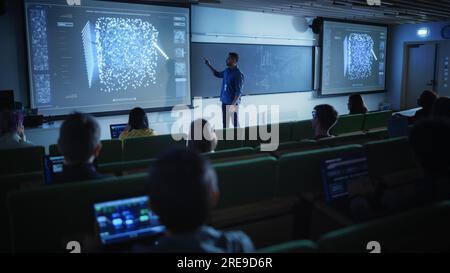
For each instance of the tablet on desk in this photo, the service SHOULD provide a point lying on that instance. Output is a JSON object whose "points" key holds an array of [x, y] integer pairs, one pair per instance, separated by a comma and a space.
{"points": [[126, 220]]}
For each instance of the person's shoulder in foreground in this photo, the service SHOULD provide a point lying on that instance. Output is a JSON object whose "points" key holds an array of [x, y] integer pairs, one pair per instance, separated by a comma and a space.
{"points": [[206, 240], [183, 190]]}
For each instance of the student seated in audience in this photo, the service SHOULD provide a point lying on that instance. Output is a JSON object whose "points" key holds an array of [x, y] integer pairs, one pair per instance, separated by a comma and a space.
{"points": [[426, 101], [137, 125], [441, 108], [202, 137], [429, 140], [324, 118], [12, 131], [183, 190], [79, 143], [431, 148], [356, 105]]}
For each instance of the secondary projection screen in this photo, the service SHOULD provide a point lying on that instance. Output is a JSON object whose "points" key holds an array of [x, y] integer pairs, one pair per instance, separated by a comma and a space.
{"points": [[353, 58], [106, 56]]}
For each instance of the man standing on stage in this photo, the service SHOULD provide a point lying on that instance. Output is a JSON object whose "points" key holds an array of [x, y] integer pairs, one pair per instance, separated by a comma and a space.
{"points": [[230, 96]]}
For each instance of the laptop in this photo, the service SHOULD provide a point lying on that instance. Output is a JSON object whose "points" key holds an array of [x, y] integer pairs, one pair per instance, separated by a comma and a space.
{"points": [[338, 172], [53, 167], [398, 127], [116, 130], [126, 220]]}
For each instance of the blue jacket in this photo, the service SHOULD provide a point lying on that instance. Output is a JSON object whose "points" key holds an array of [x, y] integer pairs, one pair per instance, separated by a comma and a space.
{"points": [[233, 82]]}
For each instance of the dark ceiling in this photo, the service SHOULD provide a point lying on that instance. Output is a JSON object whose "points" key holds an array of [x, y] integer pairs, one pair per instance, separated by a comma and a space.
{"points": [[390, 11]]}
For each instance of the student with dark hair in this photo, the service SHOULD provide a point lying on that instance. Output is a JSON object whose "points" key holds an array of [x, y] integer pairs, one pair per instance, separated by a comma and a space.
{"points": [[356, 104], [441, 108], [12, 131], [79, 143], [426, 101], [183, 190], [431, 147], [202, 137], [429, 141], [137, 125], [324, 118], [232, 85]]}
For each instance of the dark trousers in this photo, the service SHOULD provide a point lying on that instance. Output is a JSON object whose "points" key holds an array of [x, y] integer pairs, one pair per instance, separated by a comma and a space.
{"points": [[226, 116]]}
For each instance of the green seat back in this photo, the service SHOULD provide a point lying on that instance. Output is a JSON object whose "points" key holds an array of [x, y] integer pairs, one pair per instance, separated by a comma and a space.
{"points": [[297, 146], [389, 156], [348, 124], [377, 119], [302, 130], [111, 151], [267, 133], [246, 181], [8, 184], [46, 218], [150, 147], [229, 138], [356, 138], [285, 131], [300, 172], [22, 160], [252, 137], [302, 246], [230, 153], [118, 168], [421, 230], [380, 134]]}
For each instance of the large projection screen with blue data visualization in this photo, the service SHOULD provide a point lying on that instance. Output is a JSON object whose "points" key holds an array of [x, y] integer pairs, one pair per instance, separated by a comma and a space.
{"points": [[106, 56], [353, 58]]}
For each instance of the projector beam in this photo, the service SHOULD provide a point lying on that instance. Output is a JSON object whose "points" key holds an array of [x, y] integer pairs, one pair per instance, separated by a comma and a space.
{"points": [[161, 51]]}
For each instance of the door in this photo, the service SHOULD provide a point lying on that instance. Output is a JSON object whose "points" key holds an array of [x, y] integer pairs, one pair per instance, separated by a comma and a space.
{"points": [[421, 72]]}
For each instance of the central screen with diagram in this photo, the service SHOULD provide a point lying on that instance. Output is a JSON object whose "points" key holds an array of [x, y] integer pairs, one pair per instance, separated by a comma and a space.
{"points": [[105, 56]]}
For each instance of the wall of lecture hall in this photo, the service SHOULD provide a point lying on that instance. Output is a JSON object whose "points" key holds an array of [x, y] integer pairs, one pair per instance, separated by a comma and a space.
{"points": [[13, 52], [207, 25], [398, 36]]}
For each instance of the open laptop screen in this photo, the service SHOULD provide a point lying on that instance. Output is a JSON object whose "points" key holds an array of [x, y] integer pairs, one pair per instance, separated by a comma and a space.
{"points": [[338, 172], [116, 130], [126, 219], [53, 167]]}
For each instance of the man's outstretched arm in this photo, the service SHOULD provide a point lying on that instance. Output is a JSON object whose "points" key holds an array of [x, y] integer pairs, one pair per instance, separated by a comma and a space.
{"points": [[213, 70]]}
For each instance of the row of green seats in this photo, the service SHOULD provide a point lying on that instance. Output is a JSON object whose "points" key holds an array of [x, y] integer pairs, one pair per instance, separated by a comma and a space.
{"points": [[44, 219], [29, 160], [384, 157], [61, 213], [305, 145], [116, 150], [421, 230], [241, 182], [150, 147], [363, 122], [22, 160]]}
